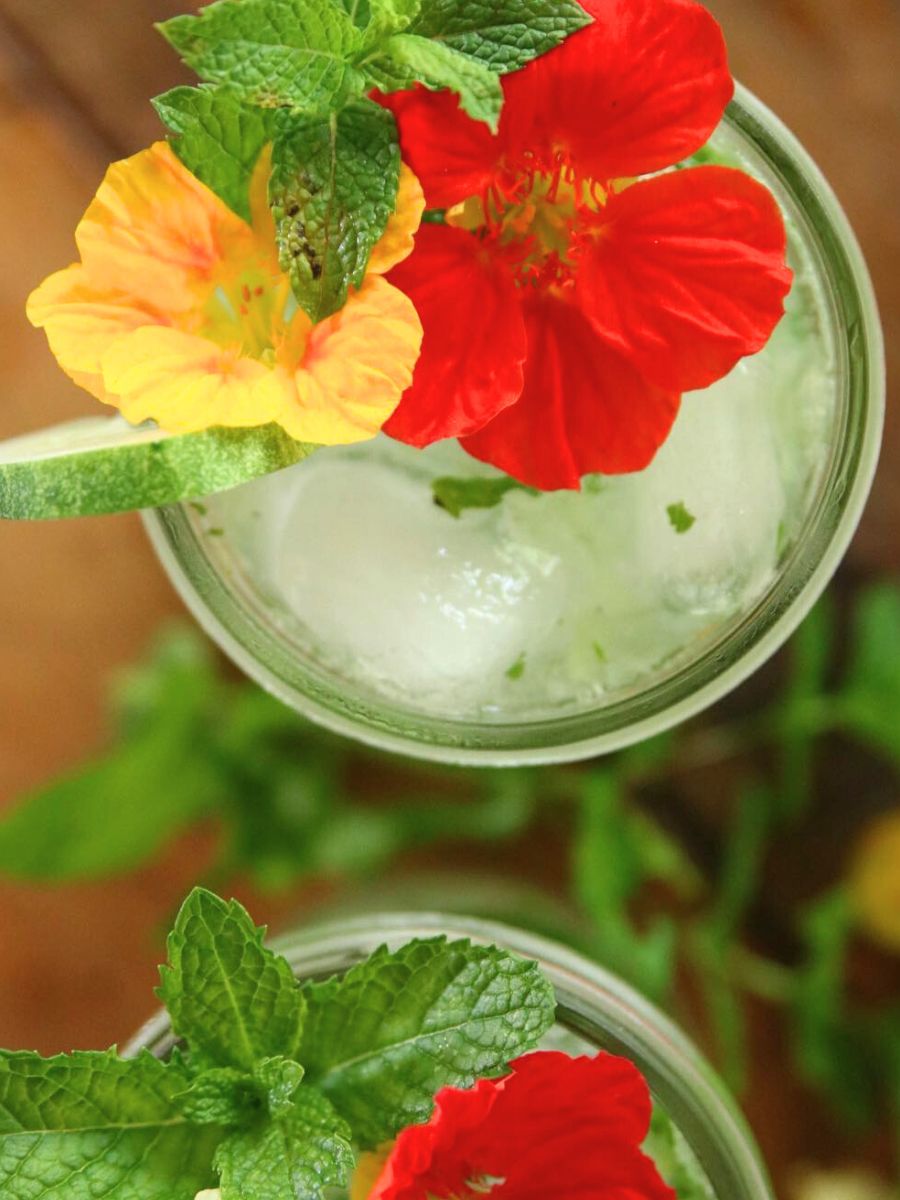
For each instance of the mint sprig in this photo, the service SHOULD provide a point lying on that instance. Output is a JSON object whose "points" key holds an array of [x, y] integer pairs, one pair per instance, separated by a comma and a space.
{"points": [[381, 1040], [273, 1083], [313, 62]]}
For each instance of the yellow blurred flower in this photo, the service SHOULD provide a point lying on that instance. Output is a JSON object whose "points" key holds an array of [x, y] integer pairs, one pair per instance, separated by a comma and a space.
{"points": [[874, 880], [369, 1166], [179, 313]]}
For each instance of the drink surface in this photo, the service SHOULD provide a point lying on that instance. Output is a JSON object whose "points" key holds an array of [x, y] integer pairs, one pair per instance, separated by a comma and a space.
{"points": [[552, 604]]}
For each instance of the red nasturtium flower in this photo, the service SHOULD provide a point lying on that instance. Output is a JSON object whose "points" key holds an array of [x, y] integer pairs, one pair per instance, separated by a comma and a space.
{"points": [[567, 303], [570, 1128]]}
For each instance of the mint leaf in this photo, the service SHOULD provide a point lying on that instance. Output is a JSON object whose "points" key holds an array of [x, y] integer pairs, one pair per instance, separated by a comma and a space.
{"points": [[679, 517], [382, 1040], [503, 34], [222, 1096], [86, 1125], [333, 187], [231, 999], [386, 17], [295, 1158], [219, 138], [675, 1160], [228, 1096], [440, 66], [456, 495], [280, 1079], [273, 52]]}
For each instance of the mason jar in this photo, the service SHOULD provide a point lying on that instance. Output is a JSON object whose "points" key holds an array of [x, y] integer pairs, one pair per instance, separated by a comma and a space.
{"points": [[559, 627], [595, 1011]]}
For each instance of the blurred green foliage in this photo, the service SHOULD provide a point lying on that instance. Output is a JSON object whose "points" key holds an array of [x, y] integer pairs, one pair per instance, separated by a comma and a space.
{"points": [[293, 804]]}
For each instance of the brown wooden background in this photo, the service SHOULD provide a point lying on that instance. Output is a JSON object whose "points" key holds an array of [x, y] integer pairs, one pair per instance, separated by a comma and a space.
{"points": [[79, 599]]}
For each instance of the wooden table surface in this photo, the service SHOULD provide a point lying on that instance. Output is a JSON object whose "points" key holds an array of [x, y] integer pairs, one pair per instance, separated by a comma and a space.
{"points": [[80, 599]]}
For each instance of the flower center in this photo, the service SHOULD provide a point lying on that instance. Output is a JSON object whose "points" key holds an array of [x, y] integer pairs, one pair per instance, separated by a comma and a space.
{"points": [[535, 219], [248, 310]]}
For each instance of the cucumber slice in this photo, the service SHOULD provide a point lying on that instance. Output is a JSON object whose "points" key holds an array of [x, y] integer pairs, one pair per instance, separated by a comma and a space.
{"points": [[104, 465]]}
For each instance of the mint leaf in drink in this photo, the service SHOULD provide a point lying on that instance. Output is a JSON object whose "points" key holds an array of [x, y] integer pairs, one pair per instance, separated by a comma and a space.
{"points": [[384, 1038], [293, 1158], [503, 34], [334, 185], [86, 1125], [679, 518], [273, 53], [219, 137], [230, 998], [438, 65], [456, 495]]}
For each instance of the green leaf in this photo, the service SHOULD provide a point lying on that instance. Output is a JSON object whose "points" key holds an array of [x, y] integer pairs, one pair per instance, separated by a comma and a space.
{"points": [[679, 517], [825, 1046], [222, 1096], [112, 815], [219, 138], [86, 1125], [381, 1041], [800, 713], [503, 34], [871, 698], [456, 495], [228, 1096], [280, 1079], [230, 998], [273, 52], [383, 18], [438, 65], [294, 1158], [675, 1160], [333, 188], [609, 865]]}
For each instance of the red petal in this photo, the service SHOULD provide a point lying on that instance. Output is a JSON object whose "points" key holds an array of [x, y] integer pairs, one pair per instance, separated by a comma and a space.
{"points": [[688, 274], [453, 156], [584, 408], [637, 91], [474, 345], [565, 1127]]}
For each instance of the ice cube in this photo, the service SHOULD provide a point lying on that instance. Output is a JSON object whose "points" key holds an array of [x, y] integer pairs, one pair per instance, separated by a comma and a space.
{"points": [[395, 591]]}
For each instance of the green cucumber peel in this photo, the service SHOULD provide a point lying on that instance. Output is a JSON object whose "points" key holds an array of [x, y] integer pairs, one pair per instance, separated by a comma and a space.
{"points": [[101, 465]]}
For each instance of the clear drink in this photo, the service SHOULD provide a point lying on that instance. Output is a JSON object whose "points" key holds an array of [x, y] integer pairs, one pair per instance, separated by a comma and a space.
{"points": [[563, 624]]}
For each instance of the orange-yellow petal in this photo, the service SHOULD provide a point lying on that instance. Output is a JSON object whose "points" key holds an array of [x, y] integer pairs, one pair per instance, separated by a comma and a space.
{"points": [[82, 323], [156, 232], [354, 368], [396, 243], [369, 1166], [187, 383]]}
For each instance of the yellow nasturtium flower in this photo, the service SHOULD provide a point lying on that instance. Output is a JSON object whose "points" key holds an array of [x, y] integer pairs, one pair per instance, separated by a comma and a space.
{"points": [[179, 313], [368, 1171], [874, 880]]}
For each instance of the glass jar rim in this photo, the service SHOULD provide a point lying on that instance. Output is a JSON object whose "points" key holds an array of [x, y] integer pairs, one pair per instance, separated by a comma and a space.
{"points": [[687, 690], [588, 995]]}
